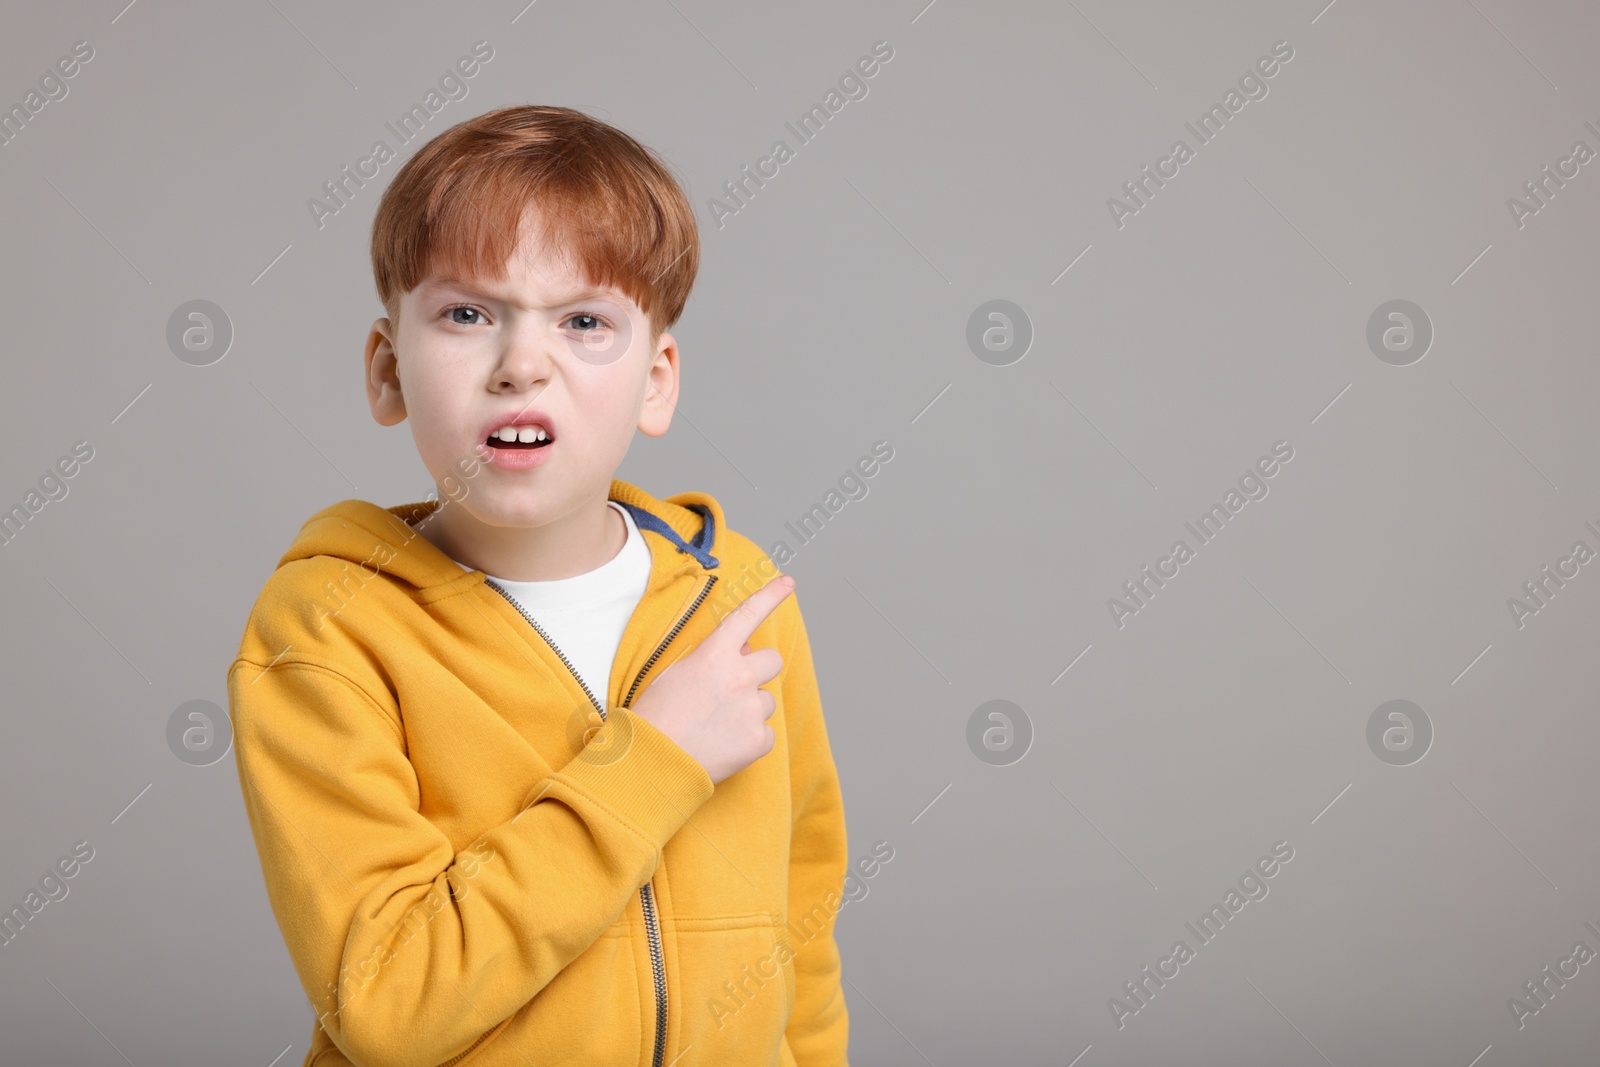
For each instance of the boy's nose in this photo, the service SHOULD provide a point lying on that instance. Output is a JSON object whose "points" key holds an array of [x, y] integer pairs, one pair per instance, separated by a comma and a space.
{"points": [[525, 364]]}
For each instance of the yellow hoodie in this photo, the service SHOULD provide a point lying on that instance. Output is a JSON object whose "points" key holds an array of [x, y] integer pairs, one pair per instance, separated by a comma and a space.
{"points": [[474, 864]]}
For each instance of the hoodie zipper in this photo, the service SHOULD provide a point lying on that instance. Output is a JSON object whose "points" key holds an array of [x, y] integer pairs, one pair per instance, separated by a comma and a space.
{"points": [[647, 899], [647, 892]]}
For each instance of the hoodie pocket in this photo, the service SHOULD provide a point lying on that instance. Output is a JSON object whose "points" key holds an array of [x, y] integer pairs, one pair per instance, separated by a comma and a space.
{"points": [[736, 992]]}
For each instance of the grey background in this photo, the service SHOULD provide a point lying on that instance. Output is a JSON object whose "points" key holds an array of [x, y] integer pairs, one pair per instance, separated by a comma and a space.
{"points": [[831, 312]]}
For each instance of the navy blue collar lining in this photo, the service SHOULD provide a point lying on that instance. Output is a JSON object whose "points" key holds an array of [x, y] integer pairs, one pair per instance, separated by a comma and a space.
{"points": [[699, 548]]}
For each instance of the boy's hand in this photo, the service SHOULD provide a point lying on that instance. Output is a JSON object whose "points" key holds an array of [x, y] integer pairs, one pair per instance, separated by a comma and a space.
{"points": [[711, 702]]}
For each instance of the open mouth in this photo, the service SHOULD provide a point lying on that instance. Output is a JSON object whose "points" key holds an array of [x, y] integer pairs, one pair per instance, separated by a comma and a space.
{"points": [[513, 437]]}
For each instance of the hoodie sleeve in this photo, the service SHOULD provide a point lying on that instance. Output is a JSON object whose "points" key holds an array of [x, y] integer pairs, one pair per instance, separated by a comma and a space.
{"points": [[409, 950], [819, 1030]]}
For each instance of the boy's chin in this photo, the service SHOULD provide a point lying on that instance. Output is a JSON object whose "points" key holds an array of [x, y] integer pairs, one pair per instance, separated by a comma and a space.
{"points": [[508, 507]]}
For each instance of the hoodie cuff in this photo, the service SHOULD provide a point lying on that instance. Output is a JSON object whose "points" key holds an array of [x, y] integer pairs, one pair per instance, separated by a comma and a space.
{"points": [[641, 774]]}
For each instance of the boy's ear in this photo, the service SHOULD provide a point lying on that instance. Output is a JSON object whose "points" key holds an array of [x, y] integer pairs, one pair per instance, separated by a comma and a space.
{"points": [[661, 388], [383, 375]]}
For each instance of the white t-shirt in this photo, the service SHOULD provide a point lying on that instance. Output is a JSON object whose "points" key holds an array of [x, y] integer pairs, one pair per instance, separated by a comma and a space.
{"points": [[586, 614]]}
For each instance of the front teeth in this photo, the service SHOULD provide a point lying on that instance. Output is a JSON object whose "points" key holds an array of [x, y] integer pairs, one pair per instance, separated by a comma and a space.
{"points": [[526, 434]]}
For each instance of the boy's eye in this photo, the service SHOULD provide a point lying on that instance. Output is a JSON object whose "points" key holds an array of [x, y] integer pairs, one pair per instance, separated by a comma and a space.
{"points": [[467, 315]]}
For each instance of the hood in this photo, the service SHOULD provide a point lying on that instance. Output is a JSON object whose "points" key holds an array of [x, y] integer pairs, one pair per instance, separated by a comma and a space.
{"points": [[365, 533]]}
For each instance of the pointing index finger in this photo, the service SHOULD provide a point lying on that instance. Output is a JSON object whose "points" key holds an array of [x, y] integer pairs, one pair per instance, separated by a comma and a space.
{"points": [[754, 609]]}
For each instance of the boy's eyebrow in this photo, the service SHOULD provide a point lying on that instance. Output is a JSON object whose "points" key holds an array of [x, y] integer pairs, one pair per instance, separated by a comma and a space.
{"points": [[587, 292]]}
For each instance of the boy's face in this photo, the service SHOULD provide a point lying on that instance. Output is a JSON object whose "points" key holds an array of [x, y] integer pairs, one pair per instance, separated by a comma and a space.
{"points": [[542, 348]]}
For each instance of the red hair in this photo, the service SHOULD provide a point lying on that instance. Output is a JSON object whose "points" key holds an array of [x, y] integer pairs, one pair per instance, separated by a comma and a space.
{"points": [[605, 201]]}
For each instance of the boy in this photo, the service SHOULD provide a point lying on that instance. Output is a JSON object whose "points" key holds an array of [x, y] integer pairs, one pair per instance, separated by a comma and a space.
{"points": [[519, 794]]}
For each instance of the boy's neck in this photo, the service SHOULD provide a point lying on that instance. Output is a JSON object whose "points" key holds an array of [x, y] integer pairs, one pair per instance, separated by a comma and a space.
{"points": [[574, 544]]}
